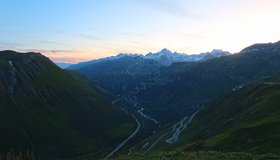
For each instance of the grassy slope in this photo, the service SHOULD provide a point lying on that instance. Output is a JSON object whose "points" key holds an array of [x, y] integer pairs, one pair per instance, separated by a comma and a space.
{"points": [[61, 114], [179, 155], [245, 120]]}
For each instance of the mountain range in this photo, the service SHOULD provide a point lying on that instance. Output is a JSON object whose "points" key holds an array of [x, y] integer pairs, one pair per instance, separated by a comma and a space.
{"points": [[163, 105], [192, 84], [244, 118], [164, 57], [168, 93]]}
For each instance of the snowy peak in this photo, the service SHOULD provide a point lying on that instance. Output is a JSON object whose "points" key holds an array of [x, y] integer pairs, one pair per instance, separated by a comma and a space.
{"points": [[165, 51], [219, 53], [163, 57], [166, 57]]}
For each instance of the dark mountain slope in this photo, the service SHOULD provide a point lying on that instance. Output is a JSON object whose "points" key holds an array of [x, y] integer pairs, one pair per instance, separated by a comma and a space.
{"points": [[54, 112], [245, 120], [120, 74]]}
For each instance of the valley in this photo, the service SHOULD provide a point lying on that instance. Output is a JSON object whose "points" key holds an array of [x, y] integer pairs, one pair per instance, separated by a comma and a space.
{"points": [[139, 80], [168, 119], [126, 107]]}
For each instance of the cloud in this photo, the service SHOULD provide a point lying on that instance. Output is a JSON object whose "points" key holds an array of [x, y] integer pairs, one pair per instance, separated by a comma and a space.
{"points": [[89, 37], [9, 46], [72, 60], [51, 42], [54, 51], [83, 35], [61, 55], [174, 7]]}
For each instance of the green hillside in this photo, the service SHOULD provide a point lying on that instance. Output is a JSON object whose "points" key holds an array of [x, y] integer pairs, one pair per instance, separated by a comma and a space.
{"points": [[211, 155], [54, 112], [247, 119]]}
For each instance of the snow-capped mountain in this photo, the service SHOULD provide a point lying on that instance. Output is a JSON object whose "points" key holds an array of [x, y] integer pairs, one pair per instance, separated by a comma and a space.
{"points": [[167, 57], [164, 57], [218, 53]]}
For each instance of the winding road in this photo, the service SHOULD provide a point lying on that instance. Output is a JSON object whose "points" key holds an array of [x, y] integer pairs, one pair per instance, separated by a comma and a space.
{"points": [[179, 130], [14, 79], [125, 141], [176, 134], [140, 111], [115, 101], [155, 143]]}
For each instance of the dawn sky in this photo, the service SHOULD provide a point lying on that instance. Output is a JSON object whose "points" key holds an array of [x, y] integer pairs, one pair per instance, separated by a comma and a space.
{"points": [[80, 30]]}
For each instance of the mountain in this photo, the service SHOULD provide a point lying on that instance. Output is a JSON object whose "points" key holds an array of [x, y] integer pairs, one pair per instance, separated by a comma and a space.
{"points": [[121, 56], [166, 57], [246, 120], [119, 74], [169, 93], [192, 84], [241, 123], [127, 74], [57, 113], [186, 87], [226, 103], [63, 65]]}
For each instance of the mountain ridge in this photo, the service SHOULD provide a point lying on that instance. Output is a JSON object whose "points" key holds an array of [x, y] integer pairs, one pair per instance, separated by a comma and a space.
{"points": [[164, 57], [40, 110]]}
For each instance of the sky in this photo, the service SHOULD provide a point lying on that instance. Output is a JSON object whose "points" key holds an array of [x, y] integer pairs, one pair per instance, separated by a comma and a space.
{"points": [[80, 30]]}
